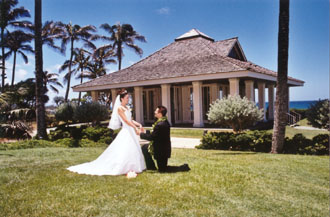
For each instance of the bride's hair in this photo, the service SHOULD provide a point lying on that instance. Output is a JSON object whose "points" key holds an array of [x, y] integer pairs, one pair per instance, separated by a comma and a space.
{"points": [[122, 93]]}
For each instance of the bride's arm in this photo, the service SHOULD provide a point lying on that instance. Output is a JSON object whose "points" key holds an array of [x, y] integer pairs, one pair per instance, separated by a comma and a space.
{"points": [[121, 113], [136, 123]]}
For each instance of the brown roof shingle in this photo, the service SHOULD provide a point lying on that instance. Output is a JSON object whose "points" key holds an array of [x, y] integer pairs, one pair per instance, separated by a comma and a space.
{"points": [[191, 56]]}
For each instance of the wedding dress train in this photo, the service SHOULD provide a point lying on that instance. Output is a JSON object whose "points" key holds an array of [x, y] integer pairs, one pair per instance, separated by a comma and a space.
{"points": [[123, 155]]}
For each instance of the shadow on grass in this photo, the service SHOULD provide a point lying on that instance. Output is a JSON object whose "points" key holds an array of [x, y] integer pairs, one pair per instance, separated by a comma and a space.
{"points": [[235, 153], [11, 155]]}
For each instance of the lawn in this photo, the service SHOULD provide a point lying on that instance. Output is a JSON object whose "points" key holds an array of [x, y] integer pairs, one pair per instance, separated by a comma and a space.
{"points": [[34, 182]]}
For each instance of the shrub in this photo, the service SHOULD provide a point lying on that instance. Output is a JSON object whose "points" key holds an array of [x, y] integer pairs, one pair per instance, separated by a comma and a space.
{"points": [[15, 130], [216, 140], [29, 144], [97, 133], [65, 112], [296, 145], [235, 112], [321, 145], [91, 112], [318, 114], [67, 142], [89, 143], [261, 141]]}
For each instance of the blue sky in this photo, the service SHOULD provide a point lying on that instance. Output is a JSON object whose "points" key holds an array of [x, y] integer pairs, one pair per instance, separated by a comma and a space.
{"points": [[254, 22]]}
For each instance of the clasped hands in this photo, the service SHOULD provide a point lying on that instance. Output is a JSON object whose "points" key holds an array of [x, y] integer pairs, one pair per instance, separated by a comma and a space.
{"points": [[139, 130]]}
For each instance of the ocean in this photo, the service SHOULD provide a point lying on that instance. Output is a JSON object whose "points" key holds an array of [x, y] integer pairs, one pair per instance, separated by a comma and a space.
{"points": [[299, 104]]}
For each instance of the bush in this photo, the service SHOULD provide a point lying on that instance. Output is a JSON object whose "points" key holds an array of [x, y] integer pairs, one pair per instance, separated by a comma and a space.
{"points": [[216, 140], [321, 145], [65, 112], [235, 112], [15, 130], [89, 143], [97, 133], [261, 141], [318, 114], [296, 145], [29, 144], [91, 112], [66, 142]]}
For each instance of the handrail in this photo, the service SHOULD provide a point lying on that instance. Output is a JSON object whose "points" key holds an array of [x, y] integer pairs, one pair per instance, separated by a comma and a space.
{"points": [[298, 116], [291, 119]]}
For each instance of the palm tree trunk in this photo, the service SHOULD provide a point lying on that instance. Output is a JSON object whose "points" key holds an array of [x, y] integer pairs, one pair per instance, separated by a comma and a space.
{"points": [[3, 75], [13, 74], [281, 103], [40, 105], [69, 78], [81, 81], [119, 55]]}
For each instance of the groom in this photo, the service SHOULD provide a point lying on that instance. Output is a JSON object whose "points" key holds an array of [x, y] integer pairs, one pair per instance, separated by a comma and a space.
{"points": [[160, 145]]}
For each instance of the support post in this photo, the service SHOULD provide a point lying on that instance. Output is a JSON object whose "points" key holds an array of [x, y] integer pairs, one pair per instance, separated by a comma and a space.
{"points": [[197, 101]]}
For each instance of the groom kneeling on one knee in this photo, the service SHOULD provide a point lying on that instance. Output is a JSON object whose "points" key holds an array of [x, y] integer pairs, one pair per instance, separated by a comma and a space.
{"points": [[160, 145]]}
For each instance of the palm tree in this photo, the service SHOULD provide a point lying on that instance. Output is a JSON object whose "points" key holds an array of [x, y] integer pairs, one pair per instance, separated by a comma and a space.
{"points": [[82, 61], [122, 35], [8, 17], [281, 104], [51, 80], [100, 57], [51, 31], [40, 89], [16, 42], [71, 34]]}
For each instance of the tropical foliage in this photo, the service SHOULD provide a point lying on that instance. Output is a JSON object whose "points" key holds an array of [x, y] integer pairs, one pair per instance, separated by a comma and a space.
{"points": [[91, 112], [71, 34], [261, 141], [65, 112], [9, 16], [235, 112], [318, 114], [17, 43], [121, 35]]}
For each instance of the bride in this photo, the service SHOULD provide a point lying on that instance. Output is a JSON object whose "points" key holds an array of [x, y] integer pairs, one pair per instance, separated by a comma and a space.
{"points": [[124, 154]]}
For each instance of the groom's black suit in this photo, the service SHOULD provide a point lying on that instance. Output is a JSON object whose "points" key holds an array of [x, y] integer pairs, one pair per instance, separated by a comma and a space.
{"points": [[161, 144]]}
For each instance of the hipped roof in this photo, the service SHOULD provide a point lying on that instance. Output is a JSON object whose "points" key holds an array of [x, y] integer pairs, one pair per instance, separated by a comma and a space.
{"points": [[191, 54]]}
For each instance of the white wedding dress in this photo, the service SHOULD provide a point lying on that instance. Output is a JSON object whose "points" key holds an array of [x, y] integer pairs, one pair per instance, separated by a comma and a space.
{"points": [[123, 155]]}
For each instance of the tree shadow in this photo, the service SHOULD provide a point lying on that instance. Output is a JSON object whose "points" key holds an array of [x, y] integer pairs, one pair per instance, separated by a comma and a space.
{"points": [[11, 155], [239, 153]]}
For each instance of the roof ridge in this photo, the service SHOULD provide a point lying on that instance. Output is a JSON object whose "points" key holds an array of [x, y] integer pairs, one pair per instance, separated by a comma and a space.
{"points": [[228, 39], [224, 57]]}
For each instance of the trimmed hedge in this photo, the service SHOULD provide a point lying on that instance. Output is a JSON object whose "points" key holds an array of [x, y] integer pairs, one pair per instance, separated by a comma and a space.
{"points": [[66, 142], [261, 141], [96, 134]]}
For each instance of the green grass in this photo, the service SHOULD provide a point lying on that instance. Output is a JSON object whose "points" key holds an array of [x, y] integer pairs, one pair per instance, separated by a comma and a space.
{"points": [[34, 182], [187, 133], [304, 122], [290, 132]]}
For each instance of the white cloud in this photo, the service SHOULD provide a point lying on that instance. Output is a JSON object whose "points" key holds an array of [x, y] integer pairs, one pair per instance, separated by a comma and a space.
{"points": [[21, 74], [164, 10]]}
